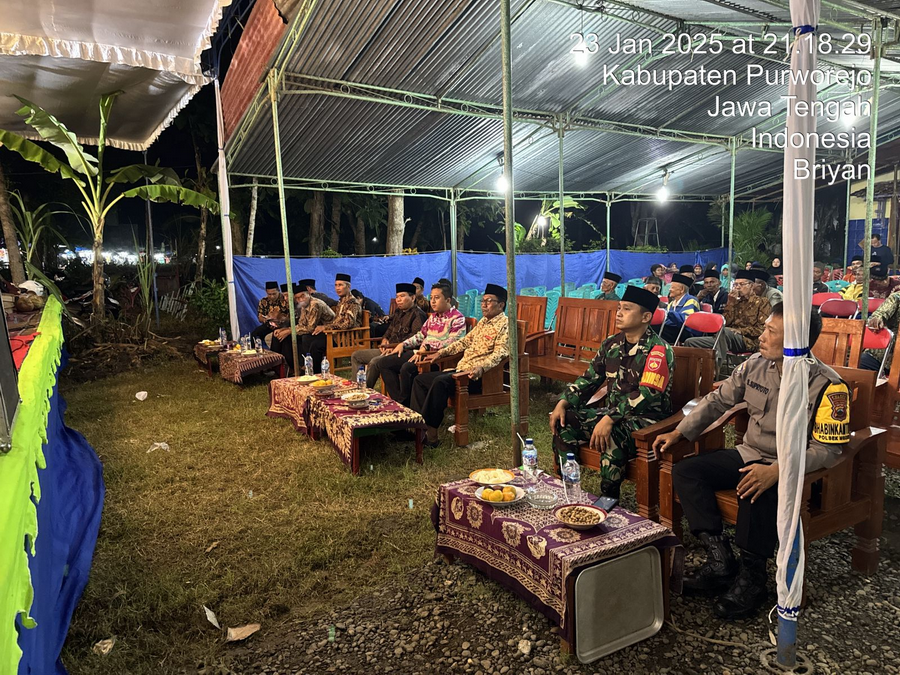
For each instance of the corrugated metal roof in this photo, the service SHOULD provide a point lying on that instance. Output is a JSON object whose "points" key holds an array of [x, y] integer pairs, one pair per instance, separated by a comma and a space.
{"points": [[451, 50]]}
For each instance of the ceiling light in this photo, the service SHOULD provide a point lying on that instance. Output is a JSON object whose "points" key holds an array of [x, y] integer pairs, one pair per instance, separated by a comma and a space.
{"points": [[542, 220], [502, 184], [663, 193], [581, 57]]}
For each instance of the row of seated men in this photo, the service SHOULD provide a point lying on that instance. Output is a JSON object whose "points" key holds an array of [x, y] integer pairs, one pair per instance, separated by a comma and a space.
{"points": [[410, 337], [636, 366]]}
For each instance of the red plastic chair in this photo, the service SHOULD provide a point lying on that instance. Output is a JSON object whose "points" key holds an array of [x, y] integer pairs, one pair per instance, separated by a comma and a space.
{"points": [[819, 298], [840, 309], [703, 322], [874, 303], [659, 317], [706, 307], [881, 339]]}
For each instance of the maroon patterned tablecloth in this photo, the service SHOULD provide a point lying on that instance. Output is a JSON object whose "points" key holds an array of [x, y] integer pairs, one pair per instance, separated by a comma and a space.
{"points": [[527, 549], [202, 352], [235, 366], [290, 399]]}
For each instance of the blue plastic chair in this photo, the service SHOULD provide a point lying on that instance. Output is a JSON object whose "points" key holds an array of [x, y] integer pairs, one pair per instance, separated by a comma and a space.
{"points": [[476, 309], [639, 282], [527, 291], [570, 286], [465, 304], [552, 304], [540, 291], [620, 289], [837, 285], [589, 287]]}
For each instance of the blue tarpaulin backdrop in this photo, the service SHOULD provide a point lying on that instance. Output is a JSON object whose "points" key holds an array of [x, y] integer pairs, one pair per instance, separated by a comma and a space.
{"points": [[68, 514], [376, 276]]}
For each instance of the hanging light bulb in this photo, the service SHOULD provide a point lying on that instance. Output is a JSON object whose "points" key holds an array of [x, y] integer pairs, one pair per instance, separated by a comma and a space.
{"points": [[663, 193], [581, 57], [502, 184], [542, 220]]}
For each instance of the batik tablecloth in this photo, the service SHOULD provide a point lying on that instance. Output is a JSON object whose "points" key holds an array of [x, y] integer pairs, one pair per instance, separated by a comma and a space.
{"points": [[235, 366], [295, 401], [528, 550], [202, 352]]}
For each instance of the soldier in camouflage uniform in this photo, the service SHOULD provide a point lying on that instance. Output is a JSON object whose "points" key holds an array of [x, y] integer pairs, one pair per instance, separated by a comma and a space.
{"points": [[886, 316], [636, 367]]}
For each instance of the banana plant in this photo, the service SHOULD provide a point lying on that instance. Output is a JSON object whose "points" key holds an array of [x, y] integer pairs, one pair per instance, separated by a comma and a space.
{"points": [[31, 226], [100, 191]]}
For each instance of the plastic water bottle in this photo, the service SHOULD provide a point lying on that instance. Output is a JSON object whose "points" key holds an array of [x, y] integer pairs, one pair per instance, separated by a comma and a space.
{"points": [[222, 337], [361, 377], [308, 364], [326, 368], [571, 475], [259, 345], [529, 463]]}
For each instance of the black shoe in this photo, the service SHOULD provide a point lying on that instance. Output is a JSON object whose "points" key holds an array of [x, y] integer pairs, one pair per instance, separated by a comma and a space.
{"points": [[748, 592], [720, 567]]}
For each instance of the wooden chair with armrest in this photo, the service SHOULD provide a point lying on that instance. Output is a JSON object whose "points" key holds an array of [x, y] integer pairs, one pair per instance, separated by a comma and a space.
{"points": [[849, 494], [886, 404], [494, 389], [694, 375], [533, 311], [340, 344], [840, 342]]}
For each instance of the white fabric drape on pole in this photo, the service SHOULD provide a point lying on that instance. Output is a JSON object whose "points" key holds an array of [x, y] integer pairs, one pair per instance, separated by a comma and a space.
{"points": [[797, 245], [225, 206]]}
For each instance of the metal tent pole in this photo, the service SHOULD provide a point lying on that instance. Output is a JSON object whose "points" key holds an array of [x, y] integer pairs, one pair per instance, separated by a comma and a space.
{"points": [[150, 250], [731, 211], [453, 241], [510, 230], [846, 223], [562, 218], [608, 217], [870, 183], [225, 207], [273, 98]]}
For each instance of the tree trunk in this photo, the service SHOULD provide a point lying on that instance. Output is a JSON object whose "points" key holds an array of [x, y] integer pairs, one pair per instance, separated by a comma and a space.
{"points": [[98, 312], [237, 236], [251, 225], [359, 237], [395, 225], [335, 239], [417, 233], [16, 266], [460, 236], [317, 224], [201, 246]]}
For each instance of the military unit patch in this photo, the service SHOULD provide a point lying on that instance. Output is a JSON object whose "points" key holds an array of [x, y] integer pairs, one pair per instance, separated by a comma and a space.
{"points": [[656, 370], [832, 422]]}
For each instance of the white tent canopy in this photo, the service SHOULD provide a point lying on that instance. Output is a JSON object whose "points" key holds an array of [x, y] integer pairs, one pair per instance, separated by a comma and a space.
{"points": [[64, 55]]}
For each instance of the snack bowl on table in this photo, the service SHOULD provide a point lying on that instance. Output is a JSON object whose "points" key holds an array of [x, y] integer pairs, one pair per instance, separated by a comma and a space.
{"points": [[356, 399], [579, 516], [542, 499], [324, 388], [307, 379], [491, 476], [508, 494]]}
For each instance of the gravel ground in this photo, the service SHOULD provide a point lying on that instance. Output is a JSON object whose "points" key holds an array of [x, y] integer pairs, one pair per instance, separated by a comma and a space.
{"points": [[450, 619]]}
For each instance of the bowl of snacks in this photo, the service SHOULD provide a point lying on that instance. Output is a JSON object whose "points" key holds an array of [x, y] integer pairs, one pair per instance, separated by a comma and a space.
{"points": [[499, 495], [579, 516], [356, 399], [492, 476], [324, 388], [307, 379]]}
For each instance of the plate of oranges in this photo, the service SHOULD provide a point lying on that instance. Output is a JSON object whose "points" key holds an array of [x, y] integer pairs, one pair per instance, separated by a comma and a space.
{"points": [[499, 495]]}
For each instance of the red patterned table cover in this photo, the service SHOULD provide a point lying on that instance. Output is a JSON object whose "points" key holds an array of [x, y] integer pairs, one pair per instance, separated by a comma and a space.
{"points": [[202, 352], [297, 402], [527, 550], [235, 366]]}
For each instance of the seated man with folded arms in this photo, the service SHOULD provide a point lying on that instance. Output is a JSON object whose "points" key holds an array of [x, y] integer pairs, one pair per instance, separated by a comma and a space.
{"points": [[484, 348], [713, 293], [608, 287], [377, 318], [347, 312], [681, 305], [745, 318], [405, 322], [636, 367], [752, 467], [444, 325], [271, 311], [311, 314], [421, 301]]}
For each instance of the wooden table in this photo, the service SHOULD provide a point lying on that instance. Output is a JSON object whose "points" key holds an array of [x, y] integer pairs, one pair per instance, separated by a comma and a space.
{"points": [[345, 427], [208, 355], [530, 553], [235, 366]]}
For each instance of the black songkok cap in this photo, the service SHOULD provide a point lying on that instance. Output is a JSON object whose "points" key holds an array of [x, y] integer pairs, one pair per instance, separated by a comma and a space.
{"points": [[307, 283], [686, 268], [271, 284], [681, 279], [612, 277], [299, 288], [342, 277], [760, 275], [710, 274], [744, 274], [498, 291], [855, 258], [420, 281], [646, 299], [284, 288], [406, 288]]}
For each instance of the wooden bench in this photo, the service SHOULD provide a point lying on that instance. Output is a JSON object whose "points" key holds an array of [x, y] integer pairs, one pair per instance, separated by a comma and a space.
{"points": [[694, 375], [849, 494], [494, 389], [886, 403], [340, 344], [840, 343], [581, 327]]}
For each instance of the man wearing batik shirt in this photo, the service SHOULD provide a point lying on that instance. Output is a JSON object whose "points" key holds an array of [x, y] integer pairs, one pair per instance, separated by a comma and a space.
{"points": [[484, 348], [405, 322], [421, 301], [636, 367], [608, 287], [347, 312], [681, 306], [312, 314], [444, 325], [270, 311]]}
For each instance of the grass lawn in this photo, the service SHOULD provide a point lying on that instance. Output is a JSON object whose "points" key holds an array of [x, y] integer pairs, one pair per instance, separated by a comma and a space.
{"points": [[244, 514]]}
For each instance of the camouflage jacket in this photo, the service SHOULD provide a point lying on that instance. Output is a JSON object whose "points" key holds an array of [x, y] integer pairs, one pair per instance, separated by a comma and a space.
{"points": [[639, 382], [889, 313]]}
